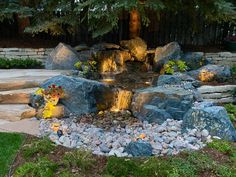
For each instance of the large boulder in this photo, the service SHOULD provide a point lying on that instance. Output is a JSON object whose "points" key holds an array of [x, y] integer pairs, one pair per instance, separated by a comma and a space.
{"points": [[112, 61], [194, 60], [62, 57], [82, 95], [137, 48], [212, 118], [171, 51], [139, 148], [211, 73], [156, 104], [178, 79]]}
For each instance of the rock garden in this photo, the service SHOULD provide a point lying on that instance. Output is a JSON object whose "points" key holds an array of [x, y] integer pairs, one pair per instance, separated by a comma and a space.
{"points": [[127, 100]]}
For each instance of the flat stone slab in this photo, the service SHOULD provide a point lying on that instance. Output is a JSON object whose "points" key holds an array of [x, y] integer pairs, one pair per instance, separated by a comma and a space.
{"points": [[13, 79], [16, 112], [21, 96], [28, 126]]}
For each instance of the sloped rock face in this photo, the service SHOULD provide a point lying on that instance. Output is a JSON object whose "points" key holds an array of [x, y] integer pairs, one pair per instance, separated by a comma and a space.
{"points": [[212, 118], [171, 51], [137, 48], [62, 57], [156, 104], [82, 95], [211, 73]]}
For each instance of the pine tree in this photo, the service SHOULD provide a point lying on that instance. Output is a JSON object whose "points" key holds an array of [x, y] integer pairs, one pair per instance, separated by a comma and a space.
{"points": [[59, 17]]}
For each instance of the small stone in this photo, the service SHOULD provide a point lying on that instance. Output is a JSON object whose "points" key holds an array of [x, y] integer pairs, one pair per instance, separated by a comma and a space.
{"points": [[104, 148], [205, 133]]}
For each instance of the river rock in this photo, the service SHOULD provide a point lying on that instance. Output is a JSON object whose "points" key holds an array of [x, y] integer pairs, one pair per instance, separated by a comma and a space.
{"points": [[137, 48], [62, 57], [139, 148], [211, 73], [194, 60], [82, 95], [171, 51], [173, 101], [214, 119]]}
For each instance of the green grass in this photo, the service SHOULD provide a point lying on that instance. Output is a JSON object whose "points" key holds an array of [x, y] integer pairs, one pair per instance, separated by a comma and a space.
{"points": [[78, 163], [9, 145]]}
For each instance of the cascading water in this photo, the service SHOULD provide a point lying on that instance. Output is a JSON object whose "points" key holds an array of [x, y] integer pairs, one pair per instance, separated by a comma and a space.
{"points": [[122, 100]]}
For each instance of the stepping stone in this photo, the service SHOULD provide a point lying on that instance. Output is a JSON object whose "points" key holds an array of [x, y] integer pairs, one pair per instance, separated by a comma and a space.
{"points": [[15, 112], [13, 79], [28, 126], [21, 96]]}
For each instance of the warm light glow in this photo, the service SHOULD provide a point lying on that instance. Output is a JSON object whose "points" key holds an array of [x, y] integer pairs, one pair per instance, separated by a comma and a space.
{"points": [[108, 65], [123, 100], [206, 75]]}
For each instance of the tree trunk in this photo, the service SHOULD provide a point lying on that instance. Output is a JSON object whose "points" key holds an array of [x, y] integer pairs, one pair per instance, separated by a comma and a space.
{"points": [[134, 24], [22, 24]]}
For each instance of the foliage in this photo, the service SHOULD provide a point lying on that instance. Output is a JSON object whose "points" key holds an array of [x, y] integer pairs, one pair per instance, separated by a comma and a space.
{"points": [[82, 159], [20, 63], [223, 146], [87, 69], [41, 168], [233, 69], [41, 146], [173, 66], [102, 16], [51, 95], [9, 145], [231, 109]]}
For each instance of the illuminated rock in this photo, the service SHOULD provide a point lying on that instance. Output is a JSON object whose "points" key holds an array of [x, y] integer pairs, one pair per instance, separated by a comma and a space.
{"points": [[171, 51], [211, 73], [137, 48]]}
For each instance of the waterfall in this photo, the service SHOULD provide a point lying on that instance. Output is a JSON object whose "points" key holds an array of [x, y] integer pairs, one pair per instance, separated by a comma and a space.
{"points": [[122, 100]]}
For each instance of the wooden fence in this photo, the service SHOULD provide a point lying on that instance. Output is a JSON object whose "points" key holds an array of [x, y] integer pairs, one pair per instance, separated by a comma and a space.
{"points": [[170, 27]]}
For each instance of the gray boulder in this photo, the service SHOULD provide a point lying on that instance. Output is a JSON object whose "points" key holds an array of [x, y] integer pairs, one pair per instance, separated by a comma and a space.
{"points": [[177, 79], [139, 148], [211, 73], [62, 57], [82, 95], [106, 46], [171, 51], [212, 118], [137, 48], [194, 60], [170, 102]]}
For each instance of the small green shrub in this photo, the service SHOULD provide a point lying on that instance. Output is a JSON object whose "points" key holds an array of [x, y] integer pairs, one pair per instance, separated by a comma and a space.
{"points": [[225, 171], [173, 66], [41, 168], [222, 146], [68, 174], [79, 158], [20, 63], [231, 109], [233, 70], [118, 167], [42, 146]]}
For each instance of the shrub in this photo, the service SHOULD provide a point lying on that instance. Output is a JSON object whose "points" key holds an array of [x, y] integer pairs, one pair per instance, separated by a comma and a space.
{"points": [[79, 158], [223, 146], [173, 66], [41, 168], [231, 109], [233, 69], [20, 63], [42, 146]]}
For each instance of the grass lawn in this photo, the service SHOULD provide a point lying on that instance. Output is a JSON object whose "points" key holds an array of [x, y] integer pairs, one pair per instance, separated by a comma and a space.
{"points": [[9, 145], [41, 158]]}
